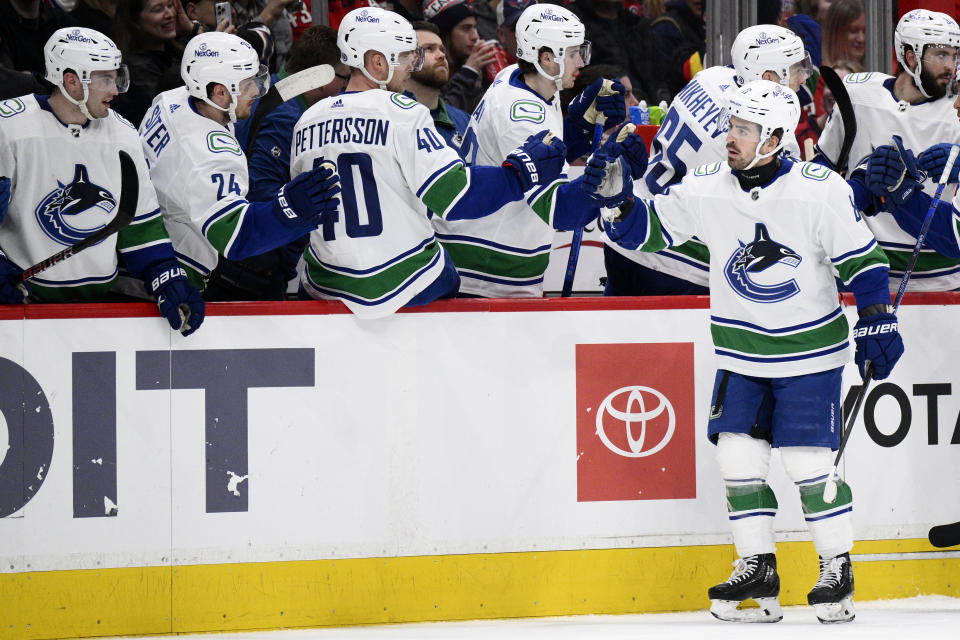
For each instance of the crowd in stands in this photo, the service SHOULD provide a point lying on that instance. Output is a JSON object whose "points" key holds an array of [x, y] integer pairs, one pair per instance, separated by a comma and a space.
{"points": [[646, 50]]}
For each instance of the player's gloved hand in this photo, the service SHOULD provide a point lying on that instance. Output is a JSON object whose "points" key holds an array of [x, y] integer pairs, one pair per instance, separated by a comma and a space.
{"points": [[892, 173], [879, 342], [11, 292], [538, 161], [607, 180], [603, 97], [178, 300], [308, 198], [631, 147], [863, 198], [4, 197], [933, 160]]}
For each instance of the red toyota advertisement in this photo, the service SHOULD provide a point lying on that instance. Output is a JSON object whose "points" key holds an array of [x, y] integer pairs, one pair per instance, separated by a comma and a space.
{"points": [[635, 422]]}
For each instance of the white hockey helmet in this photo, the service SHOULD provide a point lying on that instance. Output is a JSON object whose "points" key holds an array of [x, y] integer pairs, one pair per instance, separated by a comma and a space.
{"points": [[376, 29], [768, 47], [221, 58], [768, 104], [82, 51], [918, 29], [554, 27]]}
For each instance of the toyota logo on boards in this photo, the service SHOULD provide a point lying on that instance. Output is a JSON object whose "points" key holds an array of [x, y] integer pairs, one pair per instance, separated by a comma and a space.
{"points": [[635, 422]]}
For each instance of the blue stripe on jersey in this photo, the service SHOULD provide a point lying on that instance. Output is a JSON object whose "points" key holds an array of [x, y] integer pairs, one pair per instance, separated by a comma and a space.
{"points": [[807, 356], [829, 515], [379, 267], [433, 176], [796, 327], [812, 480], [221, 212], [67, 283], [488, 278], [147, 215], [491, 244], [343, 295], [926, 274], [855, 252], [187, 260], [754, 514], [684, 259]]}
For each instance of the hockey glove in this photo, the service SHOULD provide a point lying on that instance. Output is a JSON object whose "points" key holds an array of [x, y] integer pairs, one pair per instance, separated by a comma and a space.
{"points": [[4, 197], [878, 342], [306, 200], [12, 290], [933, 160], [179, 302], [892, 173], [538, 161], [632, 147], [864, 200], [607, 180], [606, 98]]}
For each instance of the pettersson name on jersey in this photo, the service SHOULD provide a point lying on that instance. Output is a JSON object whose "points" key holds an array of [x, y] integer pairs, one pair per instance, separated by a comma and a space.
{"points": [[371, 131]]}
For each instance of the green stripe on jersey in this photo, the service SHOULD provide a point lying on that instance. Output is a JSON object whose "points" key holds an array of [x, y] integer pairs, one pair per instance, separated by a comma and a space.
{"points": [[220, 232], [446, 189], [695, 250], [141, 233], [375, 285], [811, 497], [543, 205], [855, 264], [80, 293], [757, 343], [926, 261], [656, 241], [750, 497], [471, 257]]}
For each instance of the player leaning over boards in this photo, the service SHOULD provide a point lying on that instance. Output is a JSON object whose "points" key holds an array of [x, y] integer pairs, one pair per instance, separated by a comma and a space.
{"points": [[507, 254], [691, 135], [778, 232], [60, 154], [378, 252], [200, 172], [913, 105]]}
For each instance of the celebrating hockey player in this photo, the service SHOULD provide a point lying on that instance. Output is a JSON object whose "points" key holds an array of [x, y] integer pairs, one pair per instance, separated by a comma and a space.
{"points": [[60, 153], [778, 233], [691, 135], [914, 105], [200, 172], [378, 252], [506, 255]]}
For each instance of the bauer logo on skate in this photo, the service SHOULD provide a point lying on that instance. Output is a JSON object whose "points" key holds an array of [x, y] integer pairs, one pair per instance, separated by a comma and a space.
{"points": [[635, 422]]}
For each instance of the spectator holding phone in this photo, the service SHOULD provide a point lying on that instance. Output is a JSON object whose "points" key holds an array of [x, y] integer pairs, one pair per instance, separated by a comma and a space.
{"points": [[467, 54]]}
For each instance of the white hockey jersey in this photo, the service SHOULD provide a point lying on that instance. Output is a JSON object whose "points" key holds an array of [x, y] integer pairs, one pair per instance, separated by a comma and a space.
{"points": [[380, 251], [506, 254], [199, 172], [879, 116], [773, 298], [692, 133], [65, 186]]}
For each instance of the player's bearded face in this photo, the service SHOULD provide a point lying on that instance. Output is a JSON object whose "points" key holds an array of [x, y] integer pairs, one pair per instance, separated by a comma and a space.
{"points": [[938, 69]]}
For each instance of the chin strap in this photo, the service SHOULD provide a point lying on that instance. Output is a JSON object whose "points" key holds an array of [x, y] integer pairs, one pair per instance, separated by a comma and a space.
{"points": [[557, 79], [231, 111], [916, 75], [380, 83], [81, 104]]}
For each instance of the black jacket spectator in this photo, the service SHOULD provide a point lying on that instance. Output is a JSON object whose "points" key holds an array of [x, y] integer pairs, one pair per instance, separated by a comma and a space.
{"points": [[624, 40], [14, 84], [22, 38], [89, 13], [679, 33]]}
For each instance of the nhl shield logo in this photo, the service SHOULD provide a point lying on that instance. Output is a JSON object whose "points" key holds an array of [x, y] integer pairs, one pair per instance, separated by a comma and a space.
{"points": [[75, 210]]}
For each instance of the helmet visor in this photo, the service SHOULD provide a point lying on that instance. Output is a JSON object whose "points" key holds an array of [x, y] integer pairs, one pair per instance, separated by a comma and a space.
{"points": [[257, 84], [582, 52], [411, 60], [107, 80], [802, 69], [942, 54]]}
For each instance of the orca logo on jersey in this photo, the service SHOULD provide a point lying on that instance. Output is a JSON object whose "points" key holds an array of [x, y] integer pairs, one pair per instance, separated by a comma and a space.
{"points": [[756, 257], [75, 210]]}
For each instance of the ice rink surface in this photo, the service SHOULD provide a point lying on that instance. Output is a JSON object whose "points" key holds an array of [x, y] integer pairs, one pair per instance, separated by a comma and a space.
{"points": [[921, 618]]}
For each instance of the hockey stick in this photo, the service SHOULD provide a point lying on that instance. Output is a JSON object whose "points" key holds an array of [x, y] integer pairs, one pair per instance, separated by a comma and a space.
{"points": [[842, 99], [945, 535], [830, 489], [290, 87], [578, 232], [129, 194]]}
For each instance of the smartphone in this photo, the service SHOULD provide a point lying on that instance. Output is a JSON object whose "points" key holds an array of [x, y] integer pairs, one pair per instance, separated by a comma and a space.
{"points": [[293, 7], [223, 12]]}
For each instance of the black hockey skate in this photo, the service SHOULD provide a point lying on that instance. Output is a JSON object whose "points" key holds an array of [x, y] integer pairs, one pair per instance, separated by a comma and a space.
{"points": [[754, 577], [832, 596]]}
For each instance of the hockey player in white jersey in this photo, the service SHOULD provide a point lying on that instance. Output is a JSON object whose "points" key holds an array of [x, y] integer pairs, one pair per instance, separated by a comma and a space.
{"points": [[200, 172], [914, 105], [691, 135], [778, 237], [60, 153], [379, 252], [506, 255]]}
